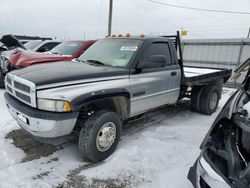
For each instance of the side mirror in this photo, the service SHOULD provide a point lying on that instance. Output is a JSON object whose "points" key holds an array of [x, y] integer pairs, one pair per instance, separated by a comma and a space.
{"points": [[155, 61], [43, 49]]}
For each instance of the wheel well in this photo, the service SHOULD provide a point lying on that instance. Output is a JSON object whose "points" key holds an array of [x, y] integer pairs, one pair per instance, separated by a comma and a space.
{"points": [[117, 104]]}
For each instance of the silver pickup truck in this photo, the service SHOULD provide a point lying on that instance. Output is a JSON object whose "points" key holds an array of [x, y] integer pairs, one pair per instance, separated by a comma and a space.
{"points": [[114, 80]]}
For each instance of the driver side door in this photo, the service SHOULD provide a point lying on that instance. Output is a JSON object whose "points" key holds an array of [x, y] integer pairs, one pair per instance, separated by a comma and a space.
{"points": [[154, 87]]}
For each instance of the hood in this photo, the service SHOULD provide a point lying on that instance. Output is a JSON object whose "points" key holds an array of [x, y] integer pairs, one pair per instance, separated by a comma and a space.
{"points": [[67, 71], [11, 41], [26, 58]]}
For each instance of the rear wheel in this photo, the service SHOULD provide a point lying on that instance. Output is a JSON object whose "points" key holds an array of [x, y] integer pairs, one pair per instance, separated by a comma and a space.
{"points": [[195, 98], [209, 100], [99, 136]]}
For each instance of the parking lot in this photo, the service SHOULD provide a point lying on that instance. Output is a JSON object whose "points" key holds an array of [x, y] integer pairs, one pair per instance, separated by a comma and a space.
{"points": [[155, 151]]}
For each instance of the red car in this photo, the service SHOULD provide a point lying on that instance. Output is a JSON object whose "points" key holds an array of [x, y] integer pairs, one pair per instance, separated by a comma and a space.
{"points": [[66, 51]]}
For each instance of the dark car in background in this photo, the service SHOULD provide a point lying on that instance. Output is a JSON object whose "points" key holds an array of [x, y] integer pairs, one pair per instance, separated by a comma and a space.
{"points": [[66, 51], [225, 152], [8, 42]]}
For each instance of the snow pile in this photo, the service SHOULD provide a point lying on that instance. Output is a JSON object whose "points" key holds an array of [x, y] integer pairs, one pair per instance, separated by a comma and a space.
{"points": [[247, 108], [154, 153]]}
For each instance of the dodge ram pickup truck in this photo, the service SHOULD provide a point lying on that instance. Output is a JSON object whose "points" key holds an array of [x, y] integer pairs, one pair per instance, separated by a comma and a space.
{"points": [[115, 79]]}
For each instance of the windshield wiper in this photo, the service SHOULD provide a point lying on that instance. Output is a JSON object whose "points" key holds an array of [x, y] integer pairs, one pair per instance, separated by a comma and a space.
{"points": [[95, 62]]}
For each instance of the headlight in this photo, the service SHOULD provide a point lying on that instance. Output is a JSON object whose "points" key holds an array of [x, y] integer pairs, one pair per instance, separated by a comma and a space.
{"points": [[53, 105]]}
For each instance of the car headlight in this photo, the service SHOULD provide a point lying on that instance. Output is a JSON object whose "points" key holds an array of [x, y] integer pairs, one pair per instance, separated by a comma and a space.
{"points": [[53, 105]]}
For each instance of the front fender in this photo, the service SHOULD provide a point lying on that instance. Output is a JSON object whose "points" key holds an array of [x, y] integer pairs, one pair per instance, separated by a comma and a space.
{"points": [[79, 101]]}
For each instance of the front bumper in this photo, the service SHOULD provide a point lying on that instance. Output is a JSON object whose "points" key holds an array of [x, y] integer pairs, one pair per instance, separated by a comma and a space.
{"points": [[203, 175], [40, 123]]}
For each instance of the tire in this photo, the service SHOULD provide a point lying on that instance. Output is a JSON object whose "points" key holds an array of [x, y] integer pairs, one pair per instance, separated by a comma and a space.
{"points": [[209, 100], [100, 123], [195, 98], [2, 77]]}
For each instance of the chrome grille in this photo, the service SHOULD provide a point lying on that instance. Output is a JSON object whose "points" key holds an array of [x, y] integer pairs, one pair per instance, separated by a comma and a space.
{"points": [[8, 80], [23, 97], [21, 89], [9, 89]]}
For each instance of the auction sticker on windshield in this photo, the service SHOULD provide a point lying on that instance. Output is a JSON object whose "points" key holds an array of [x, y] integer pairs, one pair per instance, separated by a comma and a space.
{"points": [[128, 48]]}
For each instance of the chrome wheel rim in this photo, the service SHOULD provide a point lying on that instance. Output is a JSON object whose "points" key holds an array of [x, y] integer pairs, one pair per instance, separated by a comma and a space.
{"points": [[213, 101], [106, 136]]}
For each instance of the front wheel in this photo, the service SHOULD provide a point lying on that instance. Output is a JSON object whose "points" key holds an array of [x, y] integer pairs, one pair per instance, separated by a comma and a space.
{"points": [[99, 136]]}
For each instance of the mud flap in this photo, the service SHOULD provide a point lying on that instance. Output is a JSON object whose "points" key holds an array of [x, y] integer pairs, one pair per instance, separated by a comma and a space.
{"points": [[192, 174]]}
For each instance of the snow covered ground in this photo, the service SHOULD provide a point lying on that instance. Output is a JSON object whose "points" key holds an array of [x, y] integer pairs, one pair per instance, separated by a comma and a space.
{"points": [[155, 151]]}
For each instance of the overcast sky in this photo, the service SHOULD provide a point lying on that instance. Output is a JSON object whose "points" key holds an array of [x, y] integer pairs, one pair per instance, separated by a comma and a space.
{"points": [[74, 19]]}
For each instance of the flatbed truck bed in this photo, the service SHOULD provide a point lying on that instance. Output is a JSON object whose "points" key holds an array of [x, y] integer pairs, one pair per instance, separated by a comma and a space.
{"points": [[195, 76]]}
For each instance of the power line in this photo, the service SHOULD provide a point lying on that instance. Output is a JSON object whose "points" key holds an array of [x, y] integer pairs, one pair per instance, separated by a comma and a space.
{"points": [[204, 14], [200, 9], [154, 14]]}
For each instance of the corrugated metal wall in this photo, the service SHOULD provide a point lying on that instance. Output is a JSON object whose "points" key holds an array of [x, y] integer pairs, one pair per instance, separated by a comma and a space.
{"points": [[221, 53]]}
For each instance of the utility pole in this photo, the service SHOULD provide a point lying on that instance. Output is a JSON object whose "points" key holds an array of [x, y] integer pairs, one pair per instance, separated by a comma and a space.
{"points": [[248, 35], [110, 17]]}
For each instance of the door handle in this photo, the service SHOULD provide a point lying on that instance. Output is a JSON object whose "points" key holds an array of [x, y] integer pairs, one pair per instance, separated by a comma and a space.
{"points": [[173, 73]]}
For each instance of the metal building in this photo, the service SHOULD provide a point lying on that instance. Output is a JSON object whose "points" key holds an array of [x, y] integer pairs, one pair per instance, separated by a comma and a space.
{"points": [[218, 53]]}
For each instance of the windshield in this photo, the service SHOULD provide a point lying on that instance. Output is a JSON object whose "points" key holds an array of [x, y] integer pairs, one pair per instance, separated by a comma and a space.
{"points": [[111, 52], [66, 48], [32, 44]]}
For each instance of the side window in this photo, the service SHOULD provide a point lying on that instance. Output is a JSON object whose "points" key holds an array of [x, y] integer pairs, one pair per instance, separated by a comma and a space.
{"points": [[158, 49], [48, 46]]}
